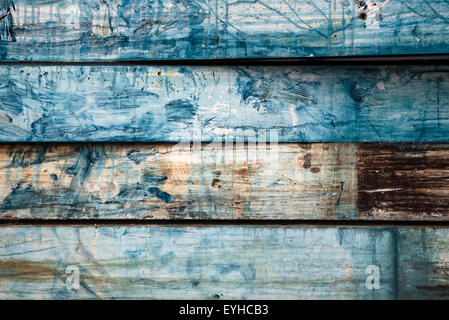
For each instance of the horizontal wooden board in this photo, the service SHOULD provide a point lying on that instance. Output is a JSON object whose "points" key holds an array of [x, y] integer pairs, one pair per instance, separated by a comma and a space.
{"points": [[179, 103], [225, 181], [209, 29], [223, 262]]}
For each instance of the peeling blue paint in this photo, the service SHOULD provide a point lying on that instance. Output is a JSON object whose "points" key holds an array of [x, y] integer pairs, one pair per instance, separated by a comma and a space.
{"points": [[171, 29], [299, 104]]}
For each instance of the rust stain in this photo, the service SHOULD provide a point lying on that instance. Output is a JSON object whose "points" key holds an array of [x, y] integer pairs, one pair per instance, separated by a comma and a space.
{"points": [[216, 183], [314, 170], [27, 268], [307, 161], [243, 172]]}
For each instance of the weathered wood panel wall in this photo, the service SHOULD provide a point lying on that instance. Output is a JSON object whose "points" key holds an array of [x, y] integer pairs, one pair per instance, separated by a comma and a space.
{"points": [[218, 181], [223, 262], [209, 29], [139, 170], [179, 103]]}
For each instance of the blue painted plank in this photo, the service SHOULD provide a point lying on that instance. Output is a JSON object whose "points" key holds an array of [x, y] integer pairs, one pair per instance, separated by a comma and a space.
{"points": [[73, 30], [223, 262], [198, 103], [151, 262]]}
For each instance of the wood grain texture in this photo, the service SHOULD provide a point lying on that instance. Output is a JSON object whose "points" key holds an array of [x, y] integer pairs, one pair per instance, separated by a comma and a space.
{"points": [[201, 29], [223, 262], [423, 259], [178, 103], [225, 181]]}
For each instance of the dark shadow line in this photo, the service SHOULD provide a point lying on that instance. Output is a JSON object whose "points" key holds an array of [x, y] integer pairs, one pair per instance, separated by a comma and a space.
{"points": [[223, 222], [205, 143], [420, 59], [395, 280]]}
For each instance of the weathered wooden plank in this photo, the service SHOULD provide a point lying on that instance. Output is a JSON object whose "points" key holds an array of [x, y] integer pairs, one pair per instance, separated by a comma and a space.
{"points": [[225, 181], [172, 104], [202, 29], [194, 263], [405, 180], [222, 262], [423, 257]]}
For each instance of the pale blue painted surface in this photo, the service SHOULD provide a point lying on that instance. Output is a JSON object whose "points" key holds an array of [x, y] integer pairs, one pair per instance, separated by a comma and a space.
{"points": [[223, 262], [147, 262]]}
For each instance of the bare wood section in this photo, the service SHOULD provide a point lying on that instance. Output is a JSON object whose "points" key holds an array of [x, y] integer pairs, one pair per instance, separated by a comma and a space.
{"points": [[403, 180], [212, 181], [224, 181]]}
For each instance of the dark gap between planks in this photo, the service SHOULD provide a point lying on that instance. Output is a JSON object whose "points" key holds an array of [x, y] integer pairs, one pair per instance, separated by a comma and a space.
{"points": [[224, 222], [421, 59]]}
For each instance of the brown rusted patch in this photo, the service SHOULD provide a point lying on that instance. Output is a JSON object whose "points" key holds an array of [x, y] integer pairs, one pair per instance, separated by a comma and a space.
{"points": [[362, 16], [403, 180], [215, 183], [244, 172], [18, 268], [314, 170], [307, 161], [37, 271]]}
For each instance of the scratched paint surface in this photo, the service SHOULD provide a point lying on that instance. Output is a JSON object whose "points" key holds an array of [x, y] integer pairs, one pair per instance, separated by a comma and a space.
{"points": [[424, 258], [218, 181], [172, 104], [147, 181], [190, 29], [242, 181], [196, 262]]}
